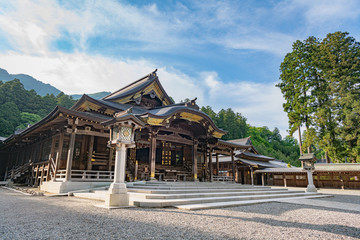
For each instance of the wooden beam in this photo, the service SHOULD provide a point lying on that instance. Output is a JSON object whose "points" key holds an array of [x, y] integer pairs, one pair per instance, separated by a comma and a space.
{"points": [[92, 133], [169, 138]]}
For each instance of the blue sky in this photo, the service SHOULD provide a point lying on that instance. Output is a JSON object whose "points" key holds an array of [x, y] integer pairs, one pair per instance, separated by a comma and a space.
{"points": [[226, 53]]}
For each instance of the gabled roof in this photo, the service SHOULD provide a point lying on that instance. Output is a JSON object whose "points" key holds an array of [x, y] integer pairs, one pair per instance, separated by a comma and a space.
{"points": [[149, 84], [253, 156], [87, 101], [242, 141]]}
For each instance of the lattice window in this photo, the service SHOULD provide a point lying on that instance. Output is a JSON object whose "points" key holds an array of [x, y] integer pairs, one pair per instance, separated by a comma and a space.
{"points": [[166, 153]]}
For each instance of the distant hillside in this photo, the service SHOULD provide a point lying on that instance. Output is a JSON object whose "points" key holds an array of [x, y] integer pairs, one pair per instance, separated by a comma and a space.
{"points": [[93, 95], [29, 83]]}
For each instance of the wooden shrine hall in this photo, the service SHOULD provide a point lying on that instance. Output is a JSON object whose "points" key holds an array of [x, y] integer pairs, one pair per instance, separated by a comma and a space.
{"points": [[68, 149]]}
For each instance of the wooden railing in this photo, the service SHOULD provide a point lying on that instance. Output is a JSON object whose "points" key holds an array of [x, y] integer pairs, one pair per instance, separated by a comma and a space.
{"points": [[17, 172], [87, 175], [223, 178]]}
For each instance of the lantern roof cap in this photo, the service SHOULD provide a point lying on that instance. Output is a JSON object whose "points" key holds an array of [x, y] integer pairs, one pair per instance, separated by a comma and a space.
{"points": [[307, 157]]}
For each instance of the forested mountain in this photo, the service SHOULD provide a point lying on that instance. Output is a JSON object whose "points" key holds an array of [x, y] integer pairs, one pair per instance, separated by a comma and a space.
{"points": [[42, 88], [20, 107], [97, 95], [29, 83], [269, 143]]}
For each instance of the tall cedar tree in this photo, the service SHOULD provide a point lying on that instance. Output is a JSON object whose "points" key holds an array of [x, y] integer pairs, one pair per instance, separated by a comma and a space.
{"points": [[298, 75], [320, 81]]}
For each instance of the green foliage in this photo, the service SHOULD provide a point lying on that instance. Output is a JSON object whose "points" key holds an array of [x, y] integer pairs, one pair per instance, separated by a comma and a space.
{"points": [[228, 120], [19, 107], [27, 118], [328, 99], [270, 143]]}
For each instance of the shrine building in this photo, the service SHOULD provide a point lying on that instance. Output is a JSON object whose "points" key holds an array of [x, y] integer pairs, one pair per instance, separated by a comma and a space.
{"points": [[68, 149]]}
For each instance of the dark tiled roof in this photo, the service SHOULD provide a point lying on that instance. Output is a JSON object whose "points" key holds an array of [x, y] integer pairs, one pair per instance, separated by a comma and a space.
{"points": [[252, 156]]}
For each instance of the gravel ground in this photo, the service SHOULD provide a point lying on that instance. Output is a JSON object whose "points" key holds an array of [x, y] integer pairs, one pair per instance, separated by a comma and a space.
{"points": [[39, 217]]}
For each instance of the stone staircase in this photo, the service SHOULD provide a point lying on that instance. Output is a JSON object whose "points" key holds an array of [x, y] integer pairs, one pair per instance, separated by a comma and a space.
{"points": [[194, 196]]}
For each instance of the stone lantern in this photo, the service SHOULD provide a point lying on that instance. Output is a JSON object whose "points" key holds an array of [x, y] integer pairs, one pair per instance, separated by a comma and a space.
{"points": [[308, 161], [122, 129]]}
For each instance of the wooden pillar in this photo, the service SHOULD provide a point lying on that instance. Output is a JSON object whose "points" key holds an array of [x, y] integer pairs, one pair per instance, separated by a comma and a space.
{"points": [[233, 164], [205, 164], [57, 160], [210, 165], [111, 153], [152, 155], [90, 152], [52, 150], [136, 170], [217, 164], [262, 179], [42, 173], [252, 175], [70, 154], [195, 163]]}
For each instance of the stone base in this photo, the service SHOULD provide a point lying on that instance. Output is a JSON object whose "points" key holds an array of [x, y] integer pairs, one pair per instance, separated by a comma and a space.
{"points": [[117, 195], [68, 186], [311, 188], [116, 200]]}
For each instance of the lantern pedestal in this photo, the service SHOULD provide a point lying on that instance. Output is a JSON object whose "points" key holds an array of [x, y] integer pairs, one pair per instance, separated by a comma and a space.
{"points": [[117, 195], [308, 165], [122, 128], [310, 187]]}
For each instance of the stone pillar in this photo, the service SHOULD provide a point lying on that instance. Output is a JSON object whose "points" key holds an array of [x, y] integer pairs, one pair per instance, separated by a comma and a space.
{"points": [[310, 187], [152, 156], [117, 195], [70, 156], [195, 163]]}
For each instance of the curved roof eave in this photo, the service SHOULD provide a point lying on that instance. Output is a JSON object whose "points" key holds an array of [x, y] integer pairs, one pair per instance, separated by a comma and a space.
{"points": [[183, 109]]}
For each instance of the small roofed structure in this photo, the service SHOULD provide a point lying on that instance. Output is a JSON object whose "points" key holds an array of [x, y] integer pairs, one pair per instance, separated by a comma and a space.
{"points": [[246, 160], [325, 175]]}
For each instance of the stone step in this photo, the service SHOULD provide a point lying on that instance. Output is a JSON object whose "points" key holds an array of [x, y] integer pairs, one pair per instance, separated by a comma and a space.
{"points": [[194, 185], [192, 190], [242, 203], [210, 194], [186, 201]]}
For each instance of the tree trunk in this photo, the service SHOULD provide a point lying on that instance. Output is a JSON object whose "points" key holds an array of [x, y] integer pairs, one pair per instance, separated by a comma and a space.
{"points": [[300, 143], [309, 147], [327, 157]]}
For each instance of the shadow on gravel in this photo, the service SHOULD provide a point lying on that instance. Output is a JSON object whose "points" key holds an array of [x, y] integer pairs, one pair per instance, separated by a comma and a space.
{"points": [[327, 228]]}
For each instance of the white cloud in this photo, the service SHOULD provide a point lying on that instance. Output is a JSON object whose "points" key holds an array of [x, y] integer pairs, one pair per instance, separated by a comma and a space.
{"points": [[260, 103]]}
